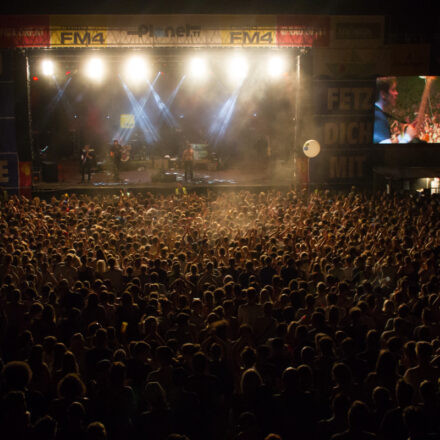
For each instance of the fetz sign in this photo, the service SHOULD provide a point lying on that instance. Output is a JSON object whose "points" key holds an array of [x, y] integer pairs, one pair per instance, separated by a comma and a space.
{"points": [[344, 112], [343, 124]]}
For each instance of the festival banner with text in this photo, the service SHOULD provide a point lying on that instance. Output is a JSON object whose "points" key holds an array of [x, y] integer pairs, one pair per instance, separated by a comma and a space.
{"points": [[164, 31], [343, 125]]}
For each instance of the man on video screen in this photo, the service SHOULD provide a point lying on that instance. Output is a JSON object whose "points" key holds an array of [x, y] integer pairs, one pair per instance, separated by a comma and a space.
{"points": [[386, 98]]}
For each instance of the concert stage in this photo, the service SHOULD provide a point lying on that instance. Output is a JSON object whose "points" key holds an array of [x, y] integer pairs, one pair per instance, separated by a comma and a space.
{"points": [[66, 177]]}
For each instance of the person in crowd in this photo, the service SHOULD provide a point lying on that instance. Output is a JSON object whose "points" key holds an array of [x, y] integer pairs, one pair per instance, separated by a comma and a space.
{"points": [[277, 315]]}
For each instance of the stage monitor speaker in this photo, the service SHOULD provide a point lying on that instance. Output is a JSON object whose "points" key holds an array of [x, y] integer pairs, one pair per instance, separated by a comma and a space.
{"points": [[49, 172]]}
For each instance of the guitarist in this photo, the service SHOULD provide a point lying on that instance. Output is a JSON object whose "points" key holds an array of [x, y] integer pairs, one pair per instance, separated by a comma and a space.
{"points": [[86, 162], [386, 98]]}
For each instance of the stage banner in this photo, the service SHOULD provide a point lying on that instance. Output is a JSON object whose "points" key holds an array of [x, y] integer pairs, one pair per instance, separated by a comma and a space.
{"points": [[8, 171], [181, 30], [24, 31], [357, 31], [330, 63], [303, 30], [163, 30]]}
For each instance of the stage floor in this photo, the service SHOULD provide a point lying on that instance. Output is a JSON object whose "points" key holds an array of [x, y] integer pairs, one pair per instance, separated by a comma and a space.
{"points": [[69, 178]]}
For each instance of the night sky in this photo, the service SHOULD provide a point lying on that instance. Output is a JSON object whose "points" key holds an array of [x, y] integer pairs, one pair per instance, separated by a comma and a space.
{"points": [[416, 10]]}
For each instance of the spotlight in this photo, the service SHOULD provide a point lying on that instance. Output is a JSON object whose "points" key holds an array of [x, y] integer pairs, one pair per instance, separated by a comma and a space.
{"points": [[238, 68], [136, 69], [198, 68], [95, 69], [47, 67], [276, 66]]}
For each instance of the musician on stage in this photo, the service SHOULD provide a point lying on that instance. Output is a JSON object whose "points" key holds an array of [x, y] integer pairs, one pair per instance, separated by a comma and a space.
{"points": [[116, 155], [86, 162], [386, 99], [188, 162]]}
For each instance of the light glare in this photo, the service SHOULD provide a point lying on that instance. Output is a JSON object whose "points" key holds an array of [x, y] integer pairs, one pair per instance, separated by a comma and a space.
{"points": [[198, 68], [48, 67], [95, 69], [238, 68], [136, 69], [276, 66]]}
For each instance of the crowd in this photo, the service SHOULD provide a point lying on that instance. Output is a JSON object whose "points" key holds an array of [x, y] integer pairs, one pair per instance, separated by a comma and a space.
{"points": [[237, 315]]}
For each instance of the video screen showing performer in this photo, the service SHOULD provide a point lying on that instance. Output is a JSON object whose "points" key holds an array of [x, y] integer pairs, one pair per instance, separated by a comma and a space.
{"points": [[407, 110]]}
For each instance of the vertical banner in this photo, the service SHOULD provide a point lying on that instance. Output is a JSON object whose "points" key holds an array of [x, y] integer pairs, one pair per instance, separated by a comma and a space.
{"points": [[343, 125]]}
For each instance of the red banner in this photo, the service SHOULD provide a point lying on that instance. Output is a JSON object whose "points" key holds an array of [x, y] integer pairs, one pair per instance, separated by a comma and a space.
{"points": [[303, 30], [24, 31]]}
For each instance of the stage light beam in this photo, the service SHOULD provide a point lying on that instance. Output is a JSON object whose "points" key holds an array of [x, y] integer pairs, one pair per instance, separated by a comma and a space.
{"points": [[48, 67], [198, 68], [276, 66], [238, 69], [95, 69], [136, 69]]}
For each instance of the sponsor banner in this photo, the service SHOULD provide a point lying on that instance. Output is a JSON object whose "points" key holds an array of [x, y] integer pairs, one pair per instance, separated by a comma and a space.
{"points": [[303, 30], [24, 31], [8, 170], [357, 31], [164, 30], [78, 38], [409, 59], [342, 166], [350, 63], [251, 37]]}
